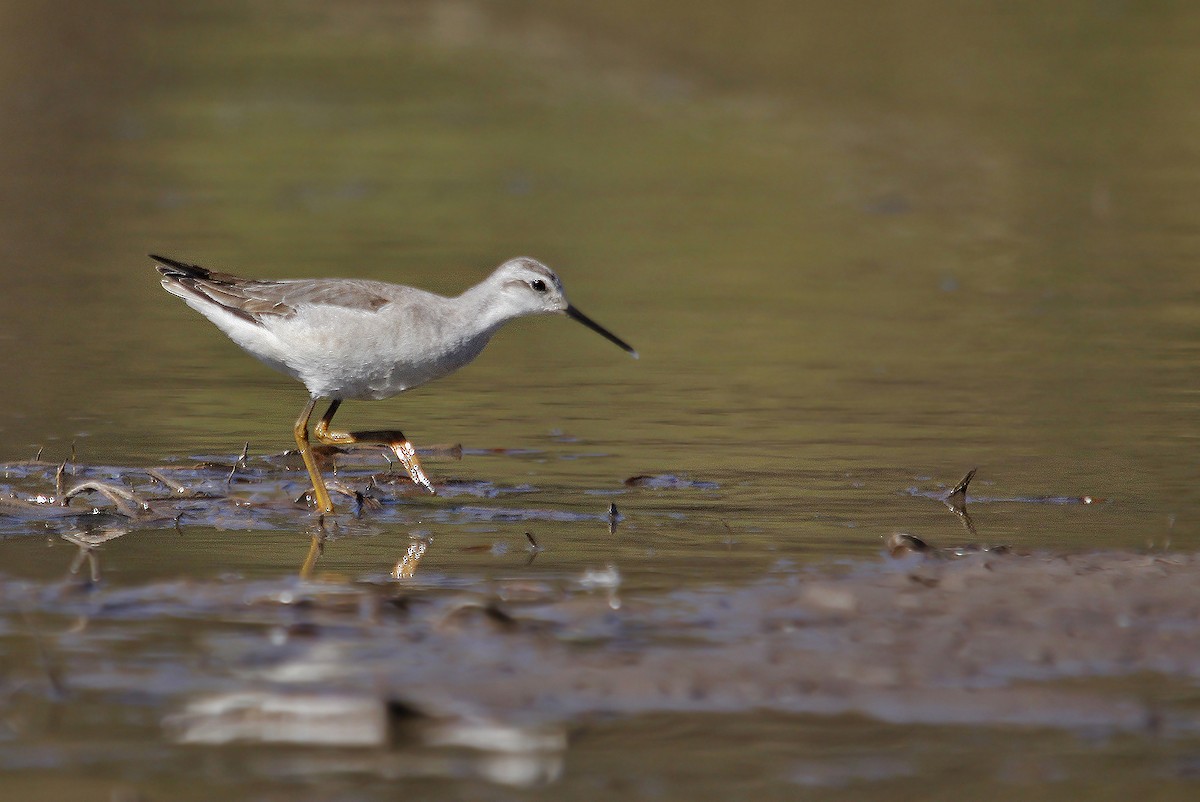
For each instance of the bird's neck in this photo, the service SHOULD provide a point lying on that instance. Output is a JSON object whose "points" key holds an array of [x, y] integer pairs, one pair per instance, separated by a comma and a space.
{"points": [[484, 305]]}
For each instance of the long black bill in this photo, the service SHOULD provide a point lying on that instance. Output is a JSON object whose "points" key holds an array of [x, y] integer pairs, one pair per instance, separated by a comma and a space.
{"points": [[574, 313]]}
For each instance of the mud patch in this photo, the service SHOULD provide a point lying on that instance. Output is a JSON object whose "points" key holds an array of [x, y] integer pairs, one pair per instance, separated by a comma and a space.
{"points": [[988, 639]]}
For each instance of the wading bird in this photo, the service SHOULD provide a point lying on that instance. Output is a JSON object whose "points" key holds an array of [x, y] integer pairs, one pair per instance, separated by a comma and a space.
{"points": [[356, 339]]}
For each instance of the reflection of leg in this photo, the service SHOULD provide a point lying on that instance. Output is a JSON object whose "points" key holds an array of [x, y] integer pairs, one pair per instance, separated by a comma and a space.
{"points": [[392, 438], [315, 549], [320, 494]]}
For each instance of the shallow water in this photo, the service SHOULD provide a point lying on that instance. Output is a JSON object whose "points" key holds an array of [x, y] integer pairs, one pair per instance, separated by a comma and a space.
{"points": [[860, 254]]}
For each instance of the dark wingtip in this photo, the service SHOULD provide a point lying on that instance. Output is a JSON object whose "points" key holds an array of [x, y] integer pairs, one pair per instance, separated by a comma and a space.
{"points": [[173, 267], [166, 265]]}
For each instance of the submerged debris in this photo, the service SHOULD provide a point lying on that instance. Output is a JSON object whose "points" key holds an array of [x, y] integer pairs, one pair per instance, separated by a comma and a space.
{"points": [[668, 481], [902, 544], [126, 502], [207, 491]]}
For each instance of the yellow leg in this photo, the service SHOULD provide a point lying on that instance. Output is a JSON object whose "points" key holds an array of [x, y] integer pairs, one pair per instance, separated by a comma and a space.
{"points": [[321, 495], [392, 438]]}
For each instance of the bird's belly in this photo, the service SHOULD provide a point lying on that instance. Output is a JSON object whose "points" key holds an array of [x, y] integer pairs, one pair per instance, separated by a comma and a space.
{"points": [[343, 362], [374, 381]]}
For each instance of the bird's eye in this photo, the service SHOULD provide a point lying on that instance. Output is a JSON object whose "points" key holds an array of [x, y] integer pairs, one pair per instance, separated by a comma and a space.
{"points": [[538, 285]]}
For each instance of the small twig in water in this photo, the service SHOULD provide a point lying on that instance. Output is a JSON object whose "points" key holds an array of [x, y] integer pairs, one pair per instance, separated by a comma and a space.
{"points": [[169, 483], [126, 502], [239, 463], [60, 484], [960, 489], [956, 501], [533, 548]]}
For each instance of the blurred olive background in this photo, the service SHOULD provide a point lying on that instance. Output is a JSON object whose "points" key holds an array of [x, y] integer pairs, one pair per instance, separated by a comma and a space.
{"points": [[860, 246]]}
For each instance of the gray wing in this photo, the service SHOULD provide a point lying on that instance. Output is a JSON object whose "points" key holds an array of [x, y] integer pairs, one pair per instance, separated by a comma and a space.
{"points": [[256, 301]]}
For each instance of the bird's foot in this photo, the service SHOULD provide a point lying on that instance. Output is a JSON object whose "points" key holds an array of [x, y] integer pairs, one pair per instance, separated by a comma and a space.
{"points": [[408, 456]]}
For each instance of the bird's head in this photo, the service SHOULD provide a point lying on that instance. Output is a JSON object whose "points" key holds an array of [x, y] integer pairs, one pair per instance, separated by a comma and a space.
{"points": [[530, 288]]}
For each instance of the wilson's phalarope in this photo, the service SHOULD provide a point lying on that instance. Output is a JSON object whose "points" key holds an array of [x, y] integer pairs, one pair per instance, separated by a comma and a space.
{"points": [[356, 339]]}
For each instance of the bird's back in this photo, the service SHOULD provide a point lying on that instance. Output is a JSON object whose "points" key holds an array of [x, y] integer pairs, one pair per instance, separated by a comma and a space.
{"points": [[343, 338]]}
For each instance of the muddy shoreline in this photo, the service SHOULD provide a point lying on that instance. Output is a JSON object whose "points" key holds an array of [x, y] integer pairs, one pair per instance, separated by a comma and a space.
{"points": [[965, 635], [989, 639]]}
